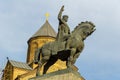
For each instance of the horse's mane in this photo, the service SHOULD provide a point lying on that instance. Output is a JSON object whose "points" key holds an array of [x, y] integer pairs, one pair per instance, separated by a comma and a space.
{"points": [[86, 22], [80, 25]]}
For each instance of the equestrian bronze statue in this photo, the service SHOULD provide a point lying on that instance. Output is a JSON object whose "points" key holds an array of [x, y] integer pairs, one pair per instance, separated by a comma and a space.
{"points": [[68, 48]]}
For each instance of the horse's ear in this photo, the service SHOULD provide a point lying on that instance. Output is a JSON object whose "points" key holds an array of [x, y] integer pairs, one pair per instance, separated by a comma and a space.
{"points": [[92, 24]]}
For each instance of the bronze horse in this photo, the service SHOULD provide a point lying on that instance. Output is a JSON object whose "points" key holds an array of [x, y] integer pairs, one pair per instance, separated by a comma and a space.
{"points": [[53, 51]]}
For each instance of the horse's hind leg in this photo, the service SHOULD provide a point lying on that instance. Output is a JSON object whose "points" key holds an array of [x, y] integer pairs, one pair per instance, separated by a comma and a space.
{"points": [[38, 69], [40, 63]]}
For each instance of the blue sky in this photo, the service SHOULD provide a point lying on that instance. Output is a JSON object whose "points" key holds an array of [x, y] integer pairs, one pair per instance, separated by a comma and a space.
{"points": [[20, 19]]}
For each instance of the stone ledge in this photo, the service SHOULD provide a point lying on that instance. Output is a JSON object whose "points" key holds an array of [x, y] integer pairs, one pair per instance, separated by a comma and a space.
{"points": [[65, 74]]}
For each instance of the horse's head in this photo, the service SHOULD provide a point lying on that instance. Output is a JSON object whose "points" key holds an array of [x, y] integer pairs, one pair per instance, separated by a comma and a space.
{"points": [[85, 29]]}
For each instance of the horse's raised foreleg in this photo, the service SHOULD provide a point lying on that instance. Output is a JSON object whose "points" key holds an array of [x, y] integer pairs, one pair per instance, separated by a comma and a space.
{"points": [[75, 57], [70, 58]]}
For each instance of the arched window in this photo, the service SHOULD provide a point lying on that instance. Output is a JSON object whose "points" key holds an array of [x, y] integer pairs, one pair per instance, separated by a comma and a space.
{"points": [[35, 46]]}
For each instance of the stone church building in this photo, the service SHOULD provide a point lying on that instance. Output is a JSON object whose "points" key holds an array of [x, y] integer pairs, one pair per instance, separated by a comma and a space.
{"points": [[15, 70]]}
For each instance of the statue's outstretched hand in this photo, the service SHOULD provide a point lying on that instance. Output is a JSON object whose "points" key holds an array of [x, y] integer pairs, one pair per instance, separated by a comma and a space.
{"points": [[62, 8]]}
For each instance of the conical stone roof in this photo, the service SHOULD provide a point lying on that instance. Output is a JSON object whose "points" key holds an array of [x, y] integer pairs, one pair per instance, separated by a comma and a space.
{"points": [[45, 30]]}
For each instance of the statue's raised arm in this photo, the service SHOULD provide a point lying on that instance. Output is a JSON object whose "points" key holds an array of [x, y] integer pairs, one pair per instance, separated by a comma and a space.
{"points": [[60, 13], [63, 29]]}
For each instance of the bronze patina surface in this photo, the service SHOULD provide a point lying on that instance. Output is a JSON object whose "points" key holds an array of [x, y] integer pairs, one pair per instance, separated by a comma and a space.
{"points": [[67, 46]]}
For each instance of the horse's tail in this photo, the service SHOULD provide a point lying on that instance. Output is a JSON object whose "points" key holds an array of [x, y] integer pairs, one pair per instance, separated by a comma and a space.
{"points": [[37, 55]]}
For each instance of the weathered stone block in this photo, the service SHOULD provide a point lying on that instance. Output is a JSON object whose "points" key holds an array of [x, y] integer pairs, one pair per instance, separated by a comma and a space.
{"points": [[66, 74]]}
